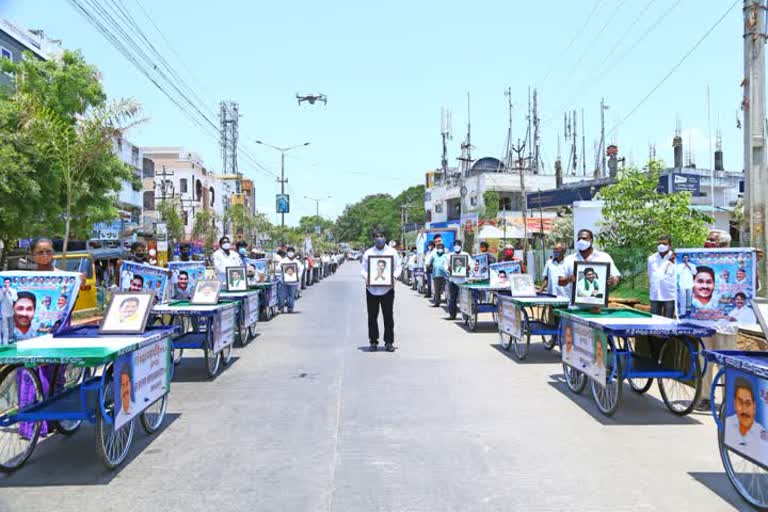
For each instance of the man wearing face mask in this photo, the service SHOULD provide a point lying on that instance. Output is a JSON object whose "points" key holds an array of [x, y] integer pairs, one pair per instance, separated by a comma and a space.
{"points": [[440, 273], [586, 252], [287, 291], [225, 257], [453, 284], [381, 296], [553, 271], [242, 250], [185, 252], [428, 269], [138, 252], [661, 277]]}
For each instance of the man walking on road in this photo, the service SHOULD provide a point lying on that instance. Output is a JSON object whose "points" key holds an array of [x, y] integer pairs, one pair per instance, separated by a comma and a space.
{"points": [[453, 284], [381, 296]]}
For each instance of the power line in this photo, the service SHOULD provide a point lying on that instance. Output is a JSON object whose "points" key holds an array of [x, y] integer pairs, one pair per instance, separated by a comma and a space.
{"points": [[676, 66]]}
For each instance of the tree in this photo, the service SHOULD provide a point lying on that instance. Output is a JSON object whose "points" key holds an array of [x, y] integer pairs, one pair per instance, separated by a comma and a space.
{"points": [[243, 222], [169, 213], [204, 228], [413, 198], [357, 221], [307, 224], [562, 231], [491, 200]]}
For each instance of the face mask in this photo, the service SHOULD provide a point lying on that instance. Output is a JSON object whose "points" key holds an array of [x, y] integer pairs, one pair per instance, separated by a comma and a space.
{"points": [[456, 248], [226, 246], [380, 243], [662, 247], [291, 254], [242, 251], [140, 256], [583, 245], [440, 251], [710, 244], [555, 254]]}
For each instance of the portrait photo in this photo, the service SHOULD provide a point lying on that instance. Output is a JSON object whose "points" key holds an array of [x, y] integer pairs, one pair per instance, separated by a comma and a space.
{"points": [[236, 279], [127, 313], [206, 293], [522, 285], [380, 271], [501, 273], [479, 267], [745, 415], [290, 273], [459, 264], [591, 288]]}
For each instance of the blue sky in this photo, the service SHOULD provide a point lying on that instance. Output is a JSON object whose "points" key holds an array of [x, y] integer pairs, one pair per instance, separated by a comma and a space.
{"points": [[388, 68]]}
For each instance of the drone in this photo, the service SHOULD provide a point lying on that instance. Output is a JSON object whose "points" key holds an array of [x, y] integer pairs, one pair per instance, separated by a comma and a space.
{"points": [[312, 98]]}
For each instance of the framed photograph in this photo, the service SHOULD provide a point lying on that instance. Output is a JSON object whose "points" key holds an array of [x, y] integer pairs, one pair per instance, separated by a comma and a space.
{"points": [[479, 267], [127, 313], [290, 273], [459, 265], [522, 285], [760, 307], [591, 288], [381, 271], [501, 273], [236, 279], [206, 293]]}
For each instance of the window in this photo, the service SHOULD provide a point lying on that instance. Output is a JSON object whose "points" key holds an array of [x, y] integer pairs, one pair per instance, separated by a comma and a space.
{"points": [[183, 185], [149, 200], [5, 53], [186, 217], [438, 207], [473, 201], [505, 203], [212, 195]]}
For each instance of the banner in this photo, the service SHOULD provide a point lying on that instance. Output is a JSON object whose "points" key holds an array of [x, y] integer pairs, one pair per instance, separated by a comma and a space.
{"points": [[585, 349], [500, 273], [37, 302], [184, 276], [140, 378], [138, 277], [746, 415], [510, 318], [224, 329], [715, 287], [252, 313], [448, 235], [283, 203], [257, 270]]}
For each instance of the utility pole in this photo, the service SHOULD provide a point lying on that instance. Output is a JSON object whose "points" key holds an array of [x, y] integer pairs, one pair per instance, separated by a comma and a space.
{"points": [[282, 181], [573, 144], [166, 186], [753, 105], [603, 108], [536, 135], [520, 167], [445, 135], [583, 146]]}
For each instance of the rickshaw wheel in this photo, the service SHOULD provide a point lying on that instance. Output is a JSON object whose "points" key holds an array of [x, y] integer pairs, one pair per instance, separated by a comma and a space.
{"points": [[212, 361], [177, 355], [67, 376], [608, 397], [153, 416], [243, 333], [472, 321], [522, 345], [640, 386], [252, 332], [506, 345], [226, 355], [465, 318], [15, 448], [749, 479], [680, 396], [575, 380], [549, 342], [112, 445]]}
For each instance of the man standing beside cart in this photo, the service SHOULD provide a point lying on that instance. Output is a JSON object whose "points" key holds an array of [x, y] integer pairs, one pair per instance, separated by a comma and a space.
{"points": [[453, 284], [661, 276], [287, 286], [585, 251], [553, 271], [381, 296], [439, 264]]}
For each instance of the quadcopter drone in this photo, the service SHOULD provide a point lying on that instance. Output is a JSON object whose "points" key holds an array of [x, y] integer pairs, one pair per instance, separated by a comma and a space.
{"points": [[312, 98]]}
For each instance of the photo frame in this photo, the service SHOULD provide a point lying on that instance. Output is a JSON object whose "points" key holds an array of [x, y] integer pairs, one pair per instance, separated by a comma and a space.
{"points": [[206, 293], [479, 267], [760, 307], [290, 273], [381, 271], [591, 287], [127, 313], [522, 285], [459, 265], [501, 272], [236, 279]]}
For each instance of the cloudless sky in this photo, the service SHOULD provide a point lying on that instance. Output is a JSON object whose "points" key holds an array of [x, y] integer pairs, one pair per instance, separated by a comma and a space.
{"points": [[389, 67]]}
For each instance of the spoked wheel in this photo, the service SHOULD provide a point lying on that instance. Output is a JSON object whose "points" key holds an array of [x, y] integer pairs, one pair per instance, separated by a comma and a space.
{"points": [[268, 313], [549, 342], [226, 355], [640, 386], [608, 397], [67, 376], [112, 445], [576, 380], [522, 345], [153, 416], [465, 318], [680, 395], [252, 332], [472, 320], [749, 479], [212, 361], [243, 333], [506, 344], [19, 387]]}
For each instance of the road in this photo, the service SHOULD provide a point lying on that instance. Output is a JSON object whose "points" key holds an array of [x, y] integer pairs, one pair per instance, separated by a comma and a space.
{"points": [[306, 419]]}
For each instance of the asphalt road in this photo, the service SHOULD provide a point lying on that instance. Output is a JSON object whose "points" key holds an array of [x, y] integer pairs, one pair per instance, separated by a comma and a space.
{"points": [[306, 420]]}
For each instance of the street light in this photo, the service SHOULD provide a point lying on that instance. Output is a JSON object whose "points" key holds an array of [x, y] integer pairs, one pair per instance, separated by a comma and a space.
{"points": [[282, 181], [317, 203]]}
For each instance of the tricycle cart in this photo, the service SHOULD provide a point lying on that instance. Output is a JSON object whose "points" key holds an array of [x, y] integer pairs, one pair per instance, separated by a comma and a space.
{"points": [[103, 379], [267, 299], [616, 344], [523, 317], [207, 328], [247, 313], [476, 298]]}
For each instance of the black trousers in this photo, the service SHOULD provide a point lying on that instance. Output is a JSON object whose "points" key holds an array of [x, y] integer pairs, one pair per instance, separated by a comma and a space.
{"points": [[663, 308], [387, 303]]}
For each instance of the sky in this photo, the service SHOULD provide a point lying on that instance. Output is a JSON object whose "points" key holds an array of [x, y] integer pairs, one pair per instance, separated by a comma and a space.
{"points": [[388, 68]]}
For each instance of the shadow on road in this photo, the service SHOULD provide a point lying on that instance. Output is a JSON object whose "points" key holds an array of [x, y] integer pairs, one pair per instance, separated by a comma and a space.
{"points": [[719, 484], [61, 460], [537, 355], [192, 369], [634, 409]]}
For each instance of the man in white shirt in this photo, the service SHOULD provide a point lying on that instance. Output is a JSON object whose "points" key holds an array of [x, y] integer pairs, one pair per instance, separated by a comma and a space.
{"points": [[289, 282], [742, 313], [453, 284], [585, 251], [428, 268], [225, 257], [553, 271], [381, 296], [8, 297], [685, 272], [661, 276], [742, 432]]}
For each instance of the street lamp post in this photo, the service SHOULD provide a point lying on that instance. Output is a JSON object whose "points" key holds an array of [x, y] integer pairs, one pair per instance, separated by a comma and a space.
{"points": [[317, 203], [282, 179]]}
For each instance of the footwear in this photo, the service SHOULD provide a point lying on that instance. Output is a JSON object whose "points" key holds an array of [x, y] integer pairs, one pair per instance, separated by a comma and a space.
{"points": [[389, 347], [703, 405], [373, 347]]}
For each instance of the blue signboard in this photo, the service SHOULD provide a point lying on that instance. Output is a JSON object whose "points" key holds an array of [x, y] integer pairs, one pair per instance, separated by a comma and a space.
{"points": [[283, 203], [679, 182]]}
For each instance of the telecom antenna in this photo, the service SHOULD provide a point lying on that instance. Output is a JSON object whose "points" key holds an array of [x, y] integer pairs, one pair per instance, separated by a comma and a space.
{"points": [[446, 134], [229, 117]]}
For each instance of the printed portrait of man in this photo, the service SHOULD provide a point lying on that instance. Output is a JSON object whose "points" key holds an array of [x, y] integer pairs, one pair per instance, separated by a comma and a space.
{"points": [[704, 296], [129, 310], [742, 431], [126, 388], [137, 284], [381, 266], [24, 315]]}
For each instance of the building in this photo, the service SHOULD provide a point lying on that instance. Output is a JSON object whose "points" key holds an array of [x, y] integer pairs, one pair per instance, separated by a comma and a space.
{"points": [[14, 41]]}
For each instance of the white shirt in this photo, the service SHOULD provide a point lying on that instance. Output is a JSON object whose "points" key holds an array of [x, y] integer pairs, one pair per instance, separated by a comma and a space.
{"points": [[685, 273], [386, 251], [7, 297], [279, 270], [661, 275], [743, 315], [221, 261], [750, 444], [596, 256], [553, 270]]}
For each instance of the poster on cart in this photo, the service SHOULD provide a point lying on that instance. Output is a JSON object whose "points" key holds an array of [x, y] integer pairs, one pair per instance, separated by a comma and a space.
{"points": [[586, 350], [184, 276], [224, 329], [479, 270], [252, 304], [715, 286], [138, 277], [500, 273], [746, 416], [139, 379], [510, 318], [40, 303], [257, 270]]}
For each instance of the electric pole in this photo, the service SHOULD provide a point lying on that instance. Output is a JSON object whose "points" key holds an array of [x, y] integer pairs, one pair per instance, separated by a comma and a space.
{"points": [[753, 105], [603, 108], [282, 181], [520, 167], [317, 203]]}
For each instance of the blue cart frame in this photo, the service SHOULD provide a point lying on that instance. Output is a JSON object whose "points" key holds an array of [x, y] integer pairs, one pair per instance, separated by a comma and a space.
{"points": [[245, 331], [475, 299], [538, 319]]}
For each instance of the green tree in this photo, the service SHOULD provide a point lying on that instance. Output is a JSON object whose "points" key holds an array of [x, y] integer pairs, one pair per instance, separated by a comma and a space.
{"points": [[491, 199], [307, 224], [562, 231], [413, 199], [358, 220], [169, 210], [204, 228], [243, 222]]}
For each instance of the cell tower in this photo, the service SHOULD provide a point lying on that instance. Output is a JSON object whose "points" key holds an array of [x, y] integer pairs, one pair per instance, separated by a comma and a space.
{"points": [[446, 134], [229, 117]]}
